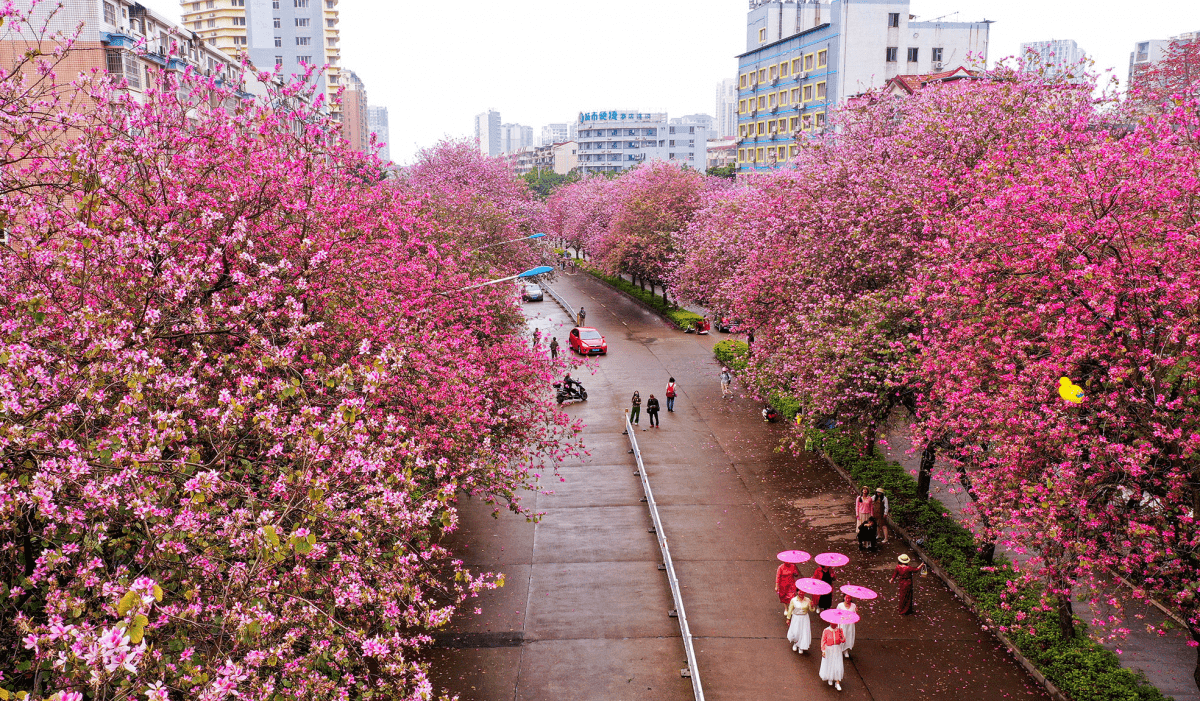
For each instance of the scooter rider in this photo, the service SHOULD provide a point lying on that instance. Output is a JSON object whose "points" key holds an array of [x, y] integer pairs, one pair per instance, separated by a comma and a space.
{"points": [[571, 385]]}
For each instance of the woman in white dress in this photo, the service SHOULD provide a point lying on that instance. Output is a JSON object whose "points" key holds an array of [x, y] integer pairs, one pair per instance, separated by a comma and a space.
{"points": [[832, 668], [848, 628], [800, 631]]}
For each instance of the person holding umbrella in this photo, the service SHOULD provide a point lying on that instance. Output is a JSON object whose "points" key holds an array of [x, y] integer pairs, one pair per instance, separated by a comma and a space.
{"points": [[848, 604], [832, 669], [800, 631], [785, 581], [825, 572]]}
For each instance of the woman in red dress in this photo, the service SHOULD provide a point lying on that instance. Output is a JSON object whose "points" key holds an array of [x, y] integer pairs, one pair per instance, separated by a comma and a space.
{"points": [[785, 582], [904, 576]]}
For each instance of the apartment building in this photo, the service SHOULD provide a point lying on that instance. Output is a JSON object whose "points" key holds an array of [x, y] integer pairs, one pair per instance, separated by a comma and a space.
{"points": [[615, 140], [487, 132], [561, 158], [514, 137], [804, 57], [377, 123], [554, 133], [687, 140], [290, 35], [125, 39], [1056, 57], [1147, 53], [355, 121], [726, 105]]}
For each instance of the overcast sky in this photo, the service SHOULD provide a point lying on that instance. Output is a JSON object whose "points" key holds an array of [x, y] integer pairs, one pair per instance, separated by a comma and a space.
{"points": [[436, 64]]}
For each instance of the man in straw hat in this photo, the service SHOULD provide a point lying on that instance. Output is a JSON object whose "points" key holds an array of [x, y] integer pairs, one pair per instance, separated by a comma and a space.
{"points": [[904, 576]]}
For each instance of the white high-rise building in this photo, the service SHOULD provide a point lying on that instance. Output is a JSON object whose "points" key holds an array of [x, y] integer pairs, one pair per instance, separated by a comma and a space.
{"points": [[555, 134], [727, 99], [377, 122], [616, 140], [1058, 57], [687, 140], [1147, 53], [487, 132], [514, 137]]}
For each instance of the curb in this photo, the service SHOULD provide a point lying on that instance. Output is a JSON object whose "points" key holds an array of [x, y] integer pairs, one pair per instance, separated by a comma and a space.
{"points": [[962, 595]]}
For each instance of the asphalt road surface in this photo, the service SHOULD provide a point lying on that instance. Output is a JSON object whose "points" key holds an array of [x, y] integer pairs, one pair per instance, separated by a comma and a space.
{"points": [[584, 610]]}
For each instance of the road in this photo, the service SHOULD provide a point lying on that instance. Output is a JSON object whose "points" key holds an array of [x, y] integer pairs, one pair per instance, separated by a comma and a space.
{"points": [[583, 614]]}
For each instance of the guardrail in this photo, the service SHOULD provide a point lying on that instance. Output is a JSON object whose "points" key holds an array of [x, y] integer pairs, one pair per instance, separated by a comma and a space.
{"points": [[692, 670], [562, 303]]}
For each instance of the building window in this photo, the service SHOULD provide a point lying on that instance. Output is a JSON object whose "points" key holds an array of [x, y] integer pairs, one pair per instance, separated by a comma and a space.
{"points": [[274, 4], [279, 42], [212, 23], [820, 91], [808, 93], [782, 151], [303, 41], [304, 59], [795, 95], [238, 3], [742, 155], [913, 52], [671, 143], [792, 151], [332, 41], [762, 102], [893, 19], [891, 54], [210, 4], [783, 98], [759, 154], [301, 3], [195, 6], [239, 41], [762, 35], [762, 75], [783, 70], [197, 25], [115, 66], [808, 62], [239, 21], [743, 81], [331, 23], [806, 123], [110, 13], [795, 66], [330, 4], [741, 107], [937, 55], [762, 128], [794, 124], [822, 58], [742, 130], [278, 61], [302, 21], [133, 72], [820, 120], [772, 73], [278, 24], [771, 101], [781, 125]]}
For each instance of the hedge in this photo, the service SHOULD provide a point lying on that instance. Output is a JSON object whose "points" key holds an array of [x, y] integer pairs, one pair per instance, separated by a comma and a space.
{"points": [[1080, 667], [682, 318]]}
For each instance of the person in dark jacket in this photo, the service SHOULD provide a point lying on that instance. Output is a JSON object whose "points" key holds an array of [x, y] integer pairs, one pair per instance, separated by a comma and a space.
{"points": [[652, 410], [554, 348], [868, 535]]}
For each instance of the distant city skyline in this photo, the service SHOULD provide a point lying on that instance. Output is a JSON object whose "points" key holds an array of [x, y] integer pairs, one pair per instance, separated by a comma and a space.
{"points": [[538, 88]]}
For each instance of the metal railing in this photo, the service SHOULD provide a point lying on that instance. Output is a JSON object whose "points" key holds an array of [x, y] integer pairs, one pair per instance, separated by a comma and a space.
{"points": [[692, 671], [562, 303]]}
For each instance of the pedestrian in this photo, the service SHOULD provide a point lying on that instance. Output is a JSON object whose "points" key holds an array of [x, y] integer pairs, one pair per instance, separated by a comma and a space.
{"points": [[769, 414], [832, 669], [671, 395], [636, 412], [848, 628], [726, 379], [881, 511], [652, 410], [868, 533], [582, 316], [785, 581], [537, 337], [800, 630], [904, 577], [863, 507], [554, 348], [826, 574]]}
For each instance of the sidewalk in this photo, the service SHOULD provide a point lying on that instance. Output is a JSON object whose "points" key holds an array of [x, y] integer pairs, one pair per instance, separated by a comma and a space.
{"points": [[1167, 661]]}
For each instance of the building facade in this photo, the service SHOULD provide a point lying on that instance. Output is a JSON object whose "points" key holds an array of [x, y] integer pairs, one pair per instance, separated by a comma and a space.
{"points": [[804, 57], [487, 132], [616, 140], [1057, 57], [687, 140], [722, 152], [1146, 53], [377, 123], [554, 134], [514, 137], [288, 35], [726, 107], [356, 126]]}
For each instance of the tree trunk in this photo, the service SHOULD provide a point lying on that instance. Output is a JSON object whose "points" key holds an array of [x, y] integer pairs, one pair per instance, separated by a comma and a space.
{"points": [[988, 549], [1066, 616], [925, 473], [869, 440]]}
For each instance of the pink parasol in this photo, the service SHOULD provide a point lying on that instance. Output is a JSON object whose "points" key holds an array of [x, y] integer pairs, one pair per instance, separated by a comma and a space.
{"points": [[839, 616], [813, 586], [794, 556], [858, 592], [832, 559]]}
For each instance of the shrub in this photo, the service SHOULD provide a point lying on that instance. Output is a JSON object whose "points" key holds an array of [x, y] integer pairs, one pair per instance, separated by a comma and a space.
{"points": [[732, 354], [681, 318]]}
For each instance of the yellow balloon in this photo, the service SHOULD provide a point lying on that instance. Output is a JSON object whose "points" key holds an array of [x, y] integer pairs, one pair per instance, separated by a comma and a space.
{"points": [[1069, 391]]}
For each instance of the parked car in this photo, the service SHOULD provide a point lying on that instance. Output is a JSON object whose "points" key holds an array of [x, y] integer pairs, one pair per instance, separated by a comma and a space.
{"points": [[531, 292], [587, 341], [726, 323]]}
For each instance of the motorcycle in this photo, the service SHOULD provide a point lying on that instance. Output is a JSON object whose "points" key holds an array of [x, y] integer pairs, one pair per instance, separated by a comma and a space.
{"points": [[569, 392]]}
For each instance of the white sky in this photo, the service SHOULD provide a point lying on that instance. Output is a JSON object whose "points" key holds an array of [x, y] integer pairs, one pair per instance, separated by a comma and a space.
{"points": [[436, 64]]}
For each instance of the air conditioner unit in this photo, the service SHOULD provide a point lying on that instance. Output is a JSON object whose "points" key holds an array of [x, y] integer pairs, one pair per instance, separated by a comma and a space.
{"points": [[937, 65]]}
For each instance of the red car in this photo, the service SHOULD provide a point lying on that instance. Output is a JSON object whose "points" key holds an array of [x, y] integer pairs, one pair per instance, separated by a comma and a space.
{"points": [[587, 341]]}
